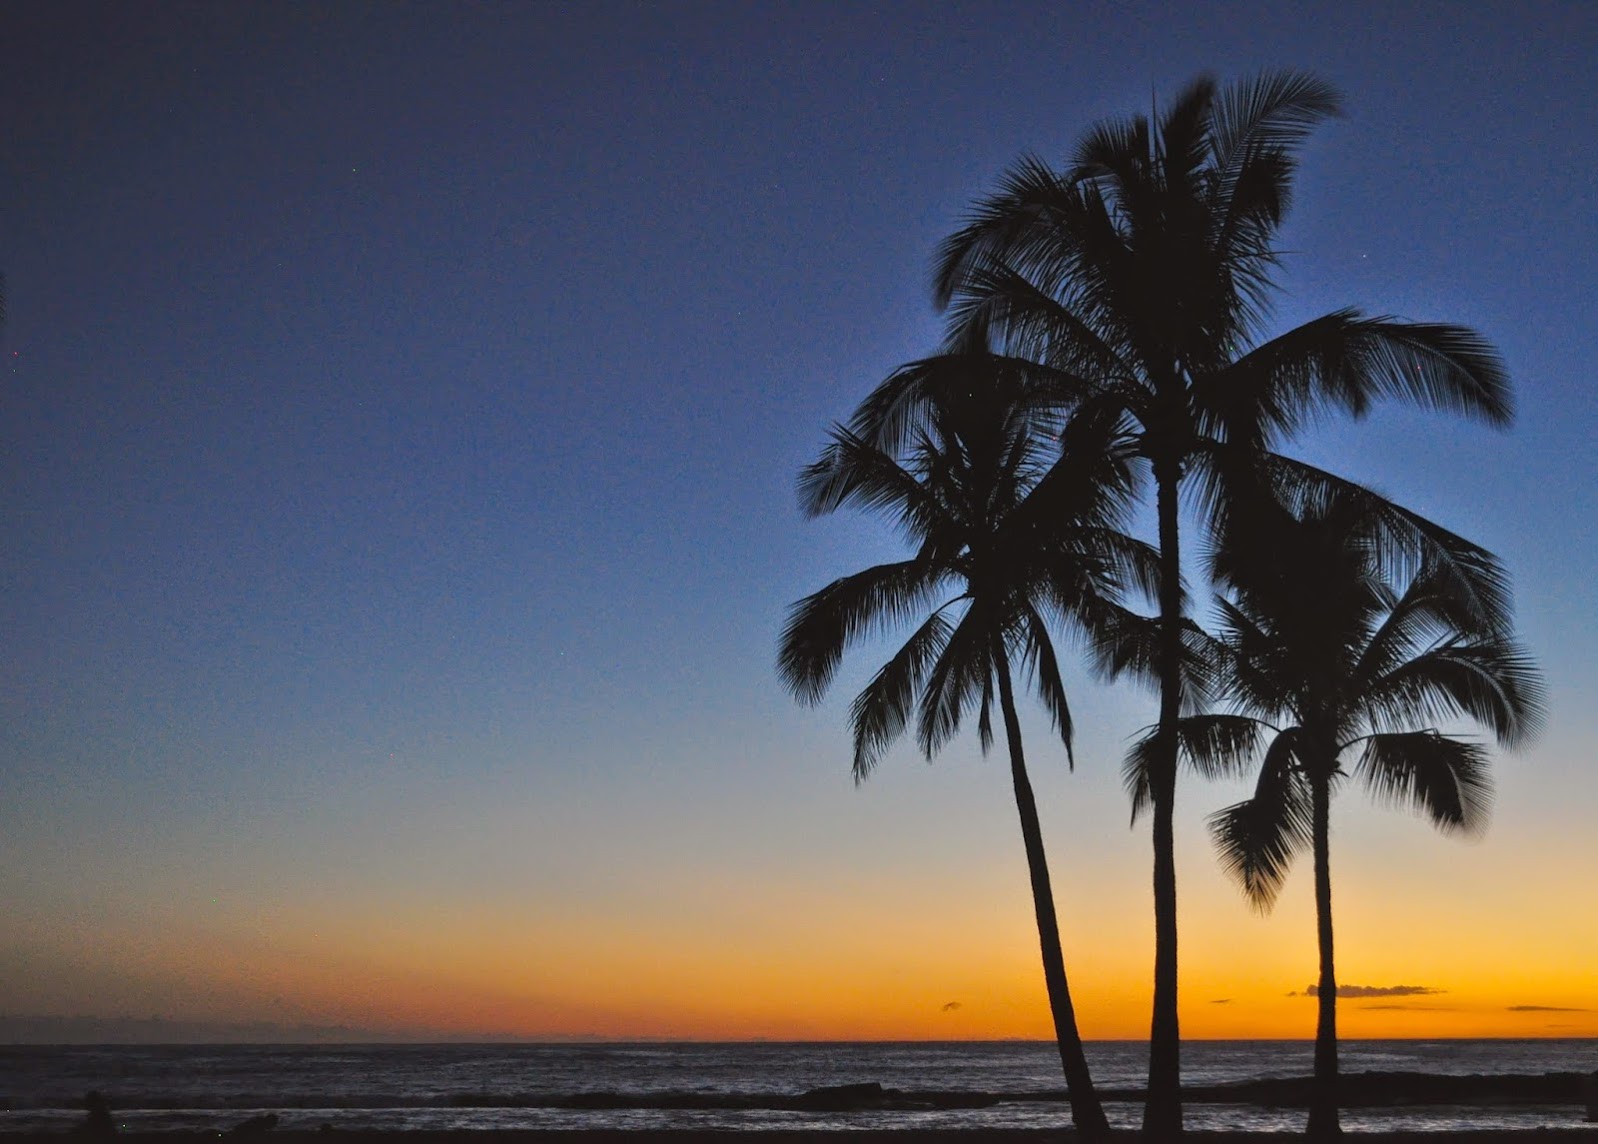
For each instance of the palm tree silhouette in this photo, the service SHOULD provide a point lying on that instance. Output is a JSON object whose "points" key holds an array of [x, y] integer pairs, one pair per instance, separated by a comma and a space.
{"points": [[1007, 538], [1340, 646], [1137, 283]]}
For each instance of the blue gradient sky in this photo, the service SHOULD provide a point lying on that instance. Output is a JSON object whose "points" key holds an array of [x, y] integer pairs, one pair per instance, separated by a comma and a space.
{"points": [[398, 426]]}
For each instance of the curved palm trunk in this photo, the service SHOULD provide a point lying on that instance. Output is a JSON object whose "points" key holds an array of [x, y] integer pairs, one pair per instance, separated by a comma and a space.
{"points": [[1086, 1111], [1323, 1119], [1162, 1112]]}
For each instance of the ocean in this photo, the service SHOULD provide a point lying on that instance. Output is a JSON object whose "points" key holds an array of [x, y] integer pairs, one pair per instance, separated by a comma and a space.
{"points": [[738, 1086]]}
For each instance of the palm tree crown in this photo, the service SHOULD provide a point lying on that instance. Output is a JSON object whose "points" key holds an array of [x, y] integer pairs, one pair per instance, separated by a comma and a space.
{"points": [[1008, 536], [1361, 666]]}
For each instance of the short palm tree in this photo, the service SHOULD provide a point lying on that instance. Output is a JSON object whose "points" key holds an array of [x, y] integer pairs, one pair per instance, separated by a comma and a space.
{"points": [[1342, 650], [1138, 280], [1009, 536]]}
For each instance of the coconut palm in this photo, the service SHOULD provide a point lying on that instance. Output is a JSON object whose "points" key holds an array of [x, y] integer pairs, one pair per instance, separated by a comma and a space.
{"points": [[1138, 281], [1344, 652], [1008, 537]]}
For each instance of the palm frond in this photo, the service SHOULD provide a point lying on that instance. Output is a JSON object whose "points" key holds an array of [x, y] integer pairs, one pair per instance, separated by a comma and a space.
{"points": [[1123, 644], [985, 714], [880, 712], [1220, 746], [852, 472], [1347, 361], [1204, 665], [1213, 746], [896, 408], [1248, 204], [1184, 139], [1255, 129], [1020, 223], [823, 624], [1089, 577], [1137, 769], [961, 675], [1257, 839], [1043, 668], [1058, 235], [1468, 574], [1270, 110], [1254, 676], [900, 406], [1429, 613], [1116, 150], [1035, 320], [1444, 778], [1488, 679], [1094, 482]]}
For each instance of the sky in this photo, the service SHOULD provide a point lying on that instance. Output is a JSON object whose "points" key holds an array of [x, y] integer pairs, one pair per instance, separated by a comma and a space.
{"points": [[399, 423]]}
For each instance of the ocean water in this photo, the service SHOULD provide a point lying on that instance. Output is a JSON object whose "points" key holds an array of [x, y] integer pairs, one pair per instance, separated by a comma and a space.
{"points": [[712, 1085]]}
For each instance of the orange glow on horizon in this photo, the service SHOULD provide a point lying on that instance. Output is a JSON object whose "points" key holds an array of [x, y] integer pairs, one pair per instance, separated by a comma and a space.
{"points": [[757, 955], [495, 981]]}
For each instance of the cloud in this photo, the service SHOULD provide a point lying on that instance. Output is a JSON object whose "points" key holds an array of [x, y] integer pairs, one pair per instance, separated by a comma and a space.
{"points": [[950, 1006], [1544, 1009], [1221, 1001], [1412, 1008], [1373, 991]]}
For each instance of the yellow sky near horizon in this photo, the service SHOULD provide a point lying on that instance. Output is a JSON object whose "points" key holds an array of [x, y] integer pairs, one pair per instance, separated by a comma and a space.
{"points": [[934, 941], [984, 987]]}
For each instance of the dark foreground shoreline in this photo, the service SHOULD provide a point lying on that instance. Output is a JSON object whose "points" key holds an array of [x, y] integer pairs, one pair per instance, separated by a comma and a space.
{"points": [[1391, 1090], [1578, 1133]]}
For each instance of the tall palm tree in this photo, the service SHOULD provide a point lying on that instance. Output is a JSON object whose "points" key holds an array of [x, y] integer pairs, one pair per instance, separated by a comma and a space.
{"points": [[1341, 650], [1007, 539], [1138, 280]]}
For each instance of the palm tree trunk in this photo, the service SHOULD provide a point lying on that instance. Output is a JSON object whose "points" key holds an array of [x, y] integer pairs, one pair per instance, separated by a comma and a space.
{"points": [[1086, 1111], [1162, 1111], [1323, 1119]]}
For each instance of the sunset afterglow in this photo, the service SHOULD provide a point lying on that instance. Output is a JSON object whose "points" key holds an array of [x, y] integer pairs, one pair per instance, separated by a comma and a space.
{"points": [[402, 410]]}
